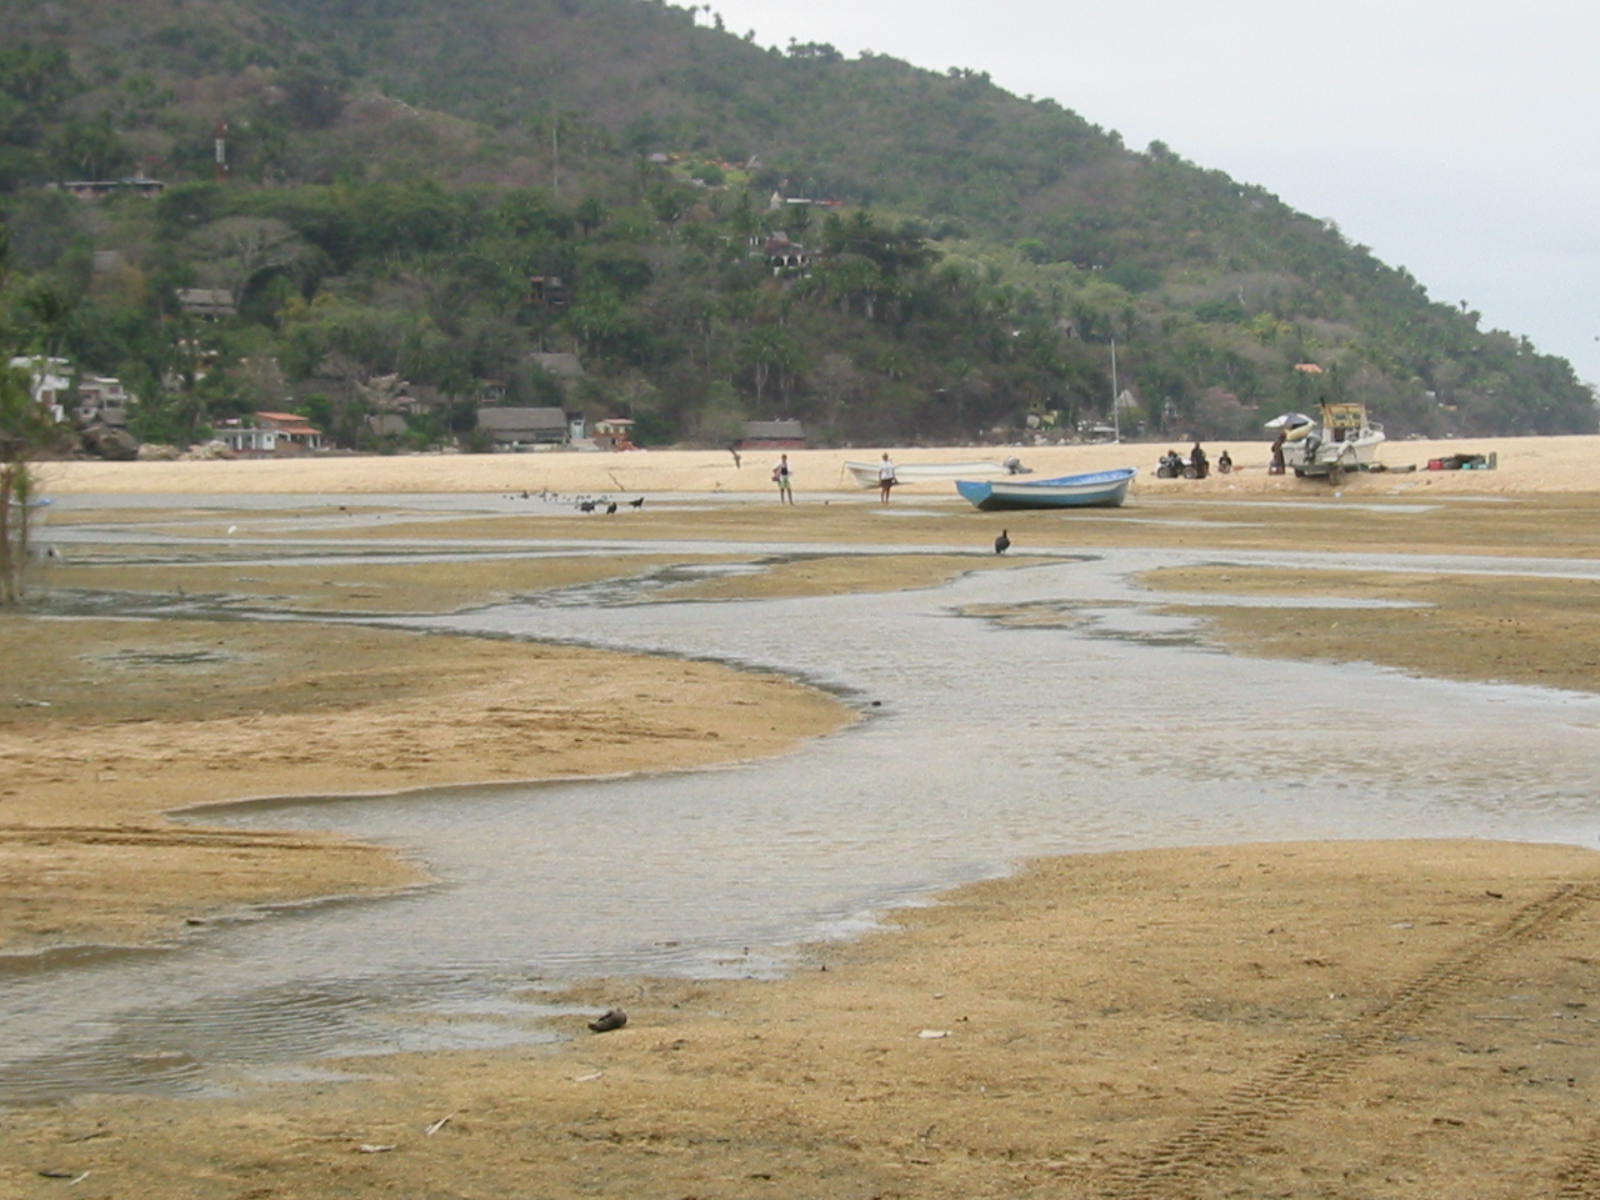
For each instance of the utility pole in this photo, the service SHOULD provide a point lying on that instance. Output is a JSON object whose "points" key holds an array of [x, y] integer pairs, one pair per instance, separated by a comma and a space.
{"points": [[555, 154], [1116, 417]]}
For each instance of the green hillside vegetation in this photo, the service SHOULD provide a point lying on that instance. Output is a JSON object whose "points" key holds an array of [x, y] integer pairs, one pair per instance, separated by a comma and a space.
{"points": [[422, 198]]}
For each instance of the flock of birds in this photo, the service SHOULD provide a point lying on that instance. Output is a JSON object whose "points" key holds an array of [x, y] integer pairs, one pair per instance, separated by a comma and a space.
{"points": [[605, 504], [585, 503]]}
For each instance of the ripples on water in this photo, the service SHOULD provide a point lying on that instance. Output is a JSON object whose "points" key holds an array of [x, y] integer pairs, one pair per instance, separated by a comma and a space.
{"points": [[992, 743]]}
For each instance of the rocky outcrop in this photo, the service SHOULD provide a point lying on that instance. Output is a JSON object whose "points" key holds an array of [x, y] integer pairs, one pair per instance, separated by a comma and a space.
{"points": [[104, 441], [208, 451]]}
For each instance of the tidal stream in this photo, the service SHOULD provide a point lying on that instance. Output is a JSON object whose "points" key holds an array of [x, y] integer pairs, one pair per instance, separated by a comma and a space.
{"points": [[1096, 724]]}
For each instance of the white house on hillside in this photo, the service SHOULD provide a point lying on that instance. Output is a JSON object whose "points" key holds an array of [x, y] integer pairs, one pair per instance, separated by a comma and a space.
{"points": [[99, 397]]}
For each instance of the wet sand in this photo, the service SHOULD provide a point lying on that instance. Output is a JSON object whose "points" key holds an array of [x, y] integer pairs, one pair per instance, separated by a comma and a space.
{"points": [[116, 723], [1401, 1019], [1404, 1020]]}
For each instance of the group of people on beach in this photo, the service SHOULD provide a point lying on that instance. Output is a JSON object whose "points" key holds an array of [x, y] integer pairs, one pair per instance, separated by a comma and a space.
{"points": [[1198, 465], [784, 478]]}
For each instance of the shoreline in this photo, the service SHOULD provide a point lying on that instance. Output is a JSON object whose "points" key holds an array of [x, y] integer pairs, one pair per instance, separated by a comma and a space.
{"points": [[1526, 465]]}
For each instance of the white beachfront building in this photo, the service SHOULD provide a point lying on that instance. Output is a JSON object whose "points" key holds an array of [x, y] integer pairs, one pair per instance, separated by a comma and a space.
{"points": [[270, 433]]}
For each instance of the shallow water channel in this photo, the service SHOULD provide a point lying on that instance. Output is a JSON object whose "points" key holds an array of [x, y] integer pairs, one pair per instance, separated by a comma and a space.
{"points": [[1095, 724]]}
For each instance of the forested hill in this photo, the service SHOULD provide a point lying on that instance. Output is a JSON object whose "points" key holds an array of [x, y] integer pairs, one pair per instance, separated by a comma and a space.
{"points": [[432, 199]]}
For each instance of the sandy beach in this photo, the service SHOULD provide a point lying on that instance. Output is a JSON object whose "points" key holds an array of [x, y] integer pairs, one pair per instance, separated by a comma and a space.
{"points": [[1525, 465], [1354, 1018]]}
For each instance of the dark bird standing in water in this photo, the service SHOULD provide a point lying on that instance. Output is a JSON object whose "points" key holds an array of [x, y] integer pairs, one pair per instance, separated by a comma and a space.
{"points": [[611, 508], [1002, 543], [639, 503]]}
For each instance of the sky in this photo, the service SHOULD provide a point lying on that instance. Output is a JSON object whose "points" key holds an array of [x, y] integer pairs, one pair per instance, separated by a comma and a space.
{"points": [[1459, 140]]}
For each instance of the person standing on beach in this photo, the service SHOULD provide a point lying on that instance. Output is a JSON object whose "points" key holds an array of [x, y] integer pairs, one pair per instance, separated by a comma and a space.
{"points": [[886, 479], [1277, 454], [780, 476]]}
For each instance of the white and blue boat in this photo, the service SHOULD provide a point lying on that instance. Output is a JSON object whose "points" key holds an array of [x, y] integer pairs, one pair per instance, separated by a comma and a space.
{"points": [[1097, 489], [866, 473]]}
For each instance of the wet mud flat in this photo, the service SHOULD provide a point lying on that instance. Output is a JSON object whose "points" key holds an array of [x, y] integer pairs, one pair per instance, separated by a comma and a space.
{"points": [[1047, 709], [1407, 1018]]}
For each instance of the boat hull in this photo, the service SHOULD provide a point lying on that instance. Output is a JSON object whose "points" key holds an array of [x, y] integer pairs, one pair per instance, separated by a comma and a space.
{"points": [[1099, 489], [1343, 440], [866, 474]]}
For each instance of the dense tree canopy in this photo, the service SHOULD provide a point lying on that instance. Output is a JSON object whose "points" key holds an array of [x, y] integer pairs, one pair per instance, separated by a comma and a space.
{"points": [[719, 231]]}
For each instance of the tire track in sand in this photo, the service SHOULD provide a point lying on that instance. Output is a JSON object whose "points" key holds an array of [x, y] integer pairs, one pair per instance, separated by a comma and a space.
{"points": [[1578, 1178], [1174, 1168]]}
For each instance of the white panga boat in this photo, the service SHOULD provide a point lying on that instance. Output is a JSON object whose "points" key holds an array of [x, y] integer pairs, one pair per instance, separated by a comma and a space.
{"points": [[866, 474]]}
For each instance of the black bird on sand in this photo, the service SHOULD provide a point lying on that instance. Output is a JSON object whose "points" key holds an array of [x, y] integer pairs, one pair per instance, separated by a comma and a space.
{"points": [[639, 503], [611, 508], [1002, 543]]}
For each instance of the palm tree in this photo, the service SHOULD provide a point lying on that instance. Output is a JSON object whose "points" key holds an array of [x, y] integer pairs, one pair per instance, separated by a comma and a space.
{"points": [[23, 429]]}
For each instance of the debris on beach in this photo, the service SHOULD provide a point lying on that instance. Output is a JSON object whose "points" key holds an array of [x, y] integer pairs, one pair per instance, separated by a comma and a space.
{"points": [[612, 1018]]}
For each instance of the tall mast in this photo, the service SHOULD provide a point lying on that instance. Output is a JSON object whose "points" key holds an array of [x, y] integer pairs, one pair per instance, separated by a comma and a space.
{"points": [[1116, 417]]}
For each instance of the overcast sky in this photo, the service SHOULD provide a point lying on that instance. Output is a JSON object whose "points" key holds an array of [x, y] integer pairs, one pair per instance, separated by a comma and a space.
{"points": [[1457, 140]]}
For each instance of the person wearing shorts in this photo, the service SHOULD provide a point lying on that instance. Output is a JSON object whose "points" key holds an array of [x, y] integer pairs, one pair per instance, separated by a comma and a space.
{"points": [[886, 479]]}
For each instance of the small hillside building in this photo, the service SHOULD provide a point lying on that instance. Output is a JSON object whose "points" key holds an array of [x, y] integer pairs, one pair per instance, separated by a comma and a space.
{"points": [[210, 303], [514, 427], [49, 382], [387, 425], [96, 189], [782, 254], [93, 398], [773, 435], [559, 365], [101, 398], [614, 433]]}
